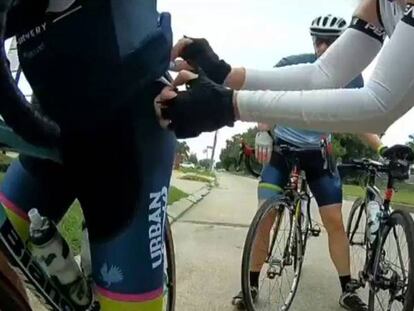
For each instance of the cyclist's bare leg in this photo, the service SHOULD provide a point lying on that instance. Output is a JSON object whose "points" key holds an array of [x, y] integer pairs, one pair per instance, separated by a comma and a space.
{"points": [[259, 254], [338, 242], [274, 176], [261, 243]]}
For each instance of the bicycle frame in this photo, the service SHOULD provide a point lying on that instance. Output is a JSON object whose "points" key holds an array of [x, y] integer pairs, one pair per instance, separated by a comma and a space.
{"points": [[28, 269], [296, 192], [373, 193]]}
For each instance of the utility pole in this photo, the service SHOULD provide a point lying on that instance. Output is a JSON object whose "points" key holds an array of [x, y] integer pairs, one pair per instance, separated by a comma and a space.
{"points": [[214, 150]]}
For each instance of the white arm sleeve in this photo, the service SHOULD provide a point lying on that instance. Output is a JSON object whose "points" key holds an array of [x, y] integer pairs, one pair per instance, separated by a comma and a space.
{"points": [[340, 64], [383, 99]]}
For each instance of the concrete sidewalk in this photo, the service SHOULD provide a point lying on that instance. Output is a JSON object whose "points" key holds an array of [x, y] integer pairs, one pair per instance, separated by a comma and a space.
{"points": [[196, 192]]}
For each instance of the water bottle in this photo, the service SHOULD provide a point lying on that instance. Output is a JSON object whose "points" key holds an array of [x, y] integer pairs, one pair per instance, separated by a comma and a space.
{"points": [[374, 214], [54, 254]]}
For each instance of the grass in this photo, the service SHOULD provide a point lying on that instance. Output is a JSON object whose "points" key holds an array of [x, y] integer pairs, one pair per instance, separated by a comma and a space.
{"points": [[70, 227], [404, 194], [175, 194], [197, 171]]}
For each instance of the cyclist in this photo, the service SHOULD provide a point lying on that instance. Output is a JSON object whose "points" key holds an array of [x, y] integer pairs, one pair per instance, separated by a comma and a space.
{"points": [[93, 67], [292, 97], [325, 184]]}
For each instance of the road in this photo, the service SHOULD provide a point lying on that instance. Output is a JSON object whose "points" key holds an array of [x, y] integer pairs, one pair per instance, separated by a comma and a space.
{"points": [[209, 240]]}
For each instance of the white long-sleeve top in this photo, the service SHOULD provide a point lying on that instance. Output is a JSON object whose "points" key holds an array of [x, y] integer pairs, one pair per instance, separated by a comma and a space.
{"points": [[306, 97]]}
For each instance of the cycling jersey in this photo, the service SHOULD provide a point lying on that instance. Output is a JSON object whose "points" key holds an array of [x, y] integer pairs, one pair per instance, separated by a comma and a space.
{"points": [[296, 136], [92, 65], [85, 59]]}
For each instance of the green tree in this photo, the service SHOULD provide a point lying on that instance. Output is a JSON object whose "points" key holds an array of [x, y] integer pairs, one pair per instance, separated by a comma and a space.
{"points": [[411, 141], [230, 154], [193, 159], [183, 149], [219, 165], [349, 146], [205, 163]]}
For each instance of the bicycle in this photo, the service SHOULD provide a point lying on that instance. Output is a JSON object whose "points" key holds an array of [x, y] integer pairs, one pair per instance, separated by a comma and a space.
{"points": [[31, 271], [374, 247], [252, 165], [287, 217]]}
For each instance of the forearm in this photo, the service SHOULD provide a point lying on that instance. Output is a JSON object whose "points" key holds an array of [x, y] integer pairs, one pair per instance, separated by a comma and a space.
{"points": [[263, 127], [385, 97], [371, 140], [341, 63]]}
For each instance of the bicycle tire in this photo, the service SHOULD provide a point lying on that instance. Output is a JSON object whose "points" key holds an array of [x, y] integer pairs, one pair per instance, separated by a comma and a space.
{"points": [[252, 166], [305, 221], [405, 220], [356, 234], [280, 206], [171, 271]]}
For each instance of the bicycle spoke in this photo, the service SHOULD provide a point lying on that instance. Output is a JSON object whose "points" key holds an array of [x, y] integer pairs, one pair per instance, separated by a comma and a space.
{"points": [[393, 269], [275, 291], [399, 254]]}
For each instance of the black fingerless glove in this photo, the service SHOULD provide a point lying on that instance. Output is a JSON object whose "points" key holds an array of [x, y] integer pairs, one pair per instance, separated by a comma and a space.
{"points": [[401, 152], [204, 107], [199, 54]]}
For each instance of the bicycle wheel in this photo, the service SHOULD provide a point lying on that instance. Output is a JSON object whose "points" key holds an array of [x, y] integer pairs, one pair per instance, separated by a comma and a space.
{"points": [[392, 287], [356, 233], [304, 220], [169, 273], [281, 253], [254, 167]]}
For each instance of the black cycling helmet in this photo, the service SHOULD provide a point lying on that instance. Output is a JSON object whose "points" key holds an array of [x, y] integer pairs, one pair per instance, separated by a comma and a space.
{"points": [[16, 111]]}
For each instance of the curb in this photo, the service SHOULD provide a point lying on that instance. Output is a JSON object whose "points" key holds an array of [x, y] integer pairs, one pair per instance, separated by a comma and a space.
{"points": [[176, 210]]}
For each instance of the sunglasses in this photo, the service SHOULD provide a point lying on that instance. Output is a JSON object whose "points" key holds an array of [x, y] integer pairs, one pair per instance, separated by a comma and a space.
{"points": [[320, 40]]}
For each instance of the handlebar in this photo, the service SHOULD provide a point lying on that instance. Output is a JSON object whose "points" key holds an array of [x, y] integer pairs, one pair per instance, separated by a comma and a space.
{"points": [[14, 108], [10, 141], [396, 168]]}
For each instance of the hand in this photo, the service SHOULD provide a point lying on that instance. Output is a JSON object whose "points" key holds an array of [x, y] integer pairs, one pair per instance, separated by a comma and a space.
{"points": [[382, 149], [197, 53], [263, 147], [263, 127], [166, 94], [205, 106], [401, 152], [176, 55]]}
